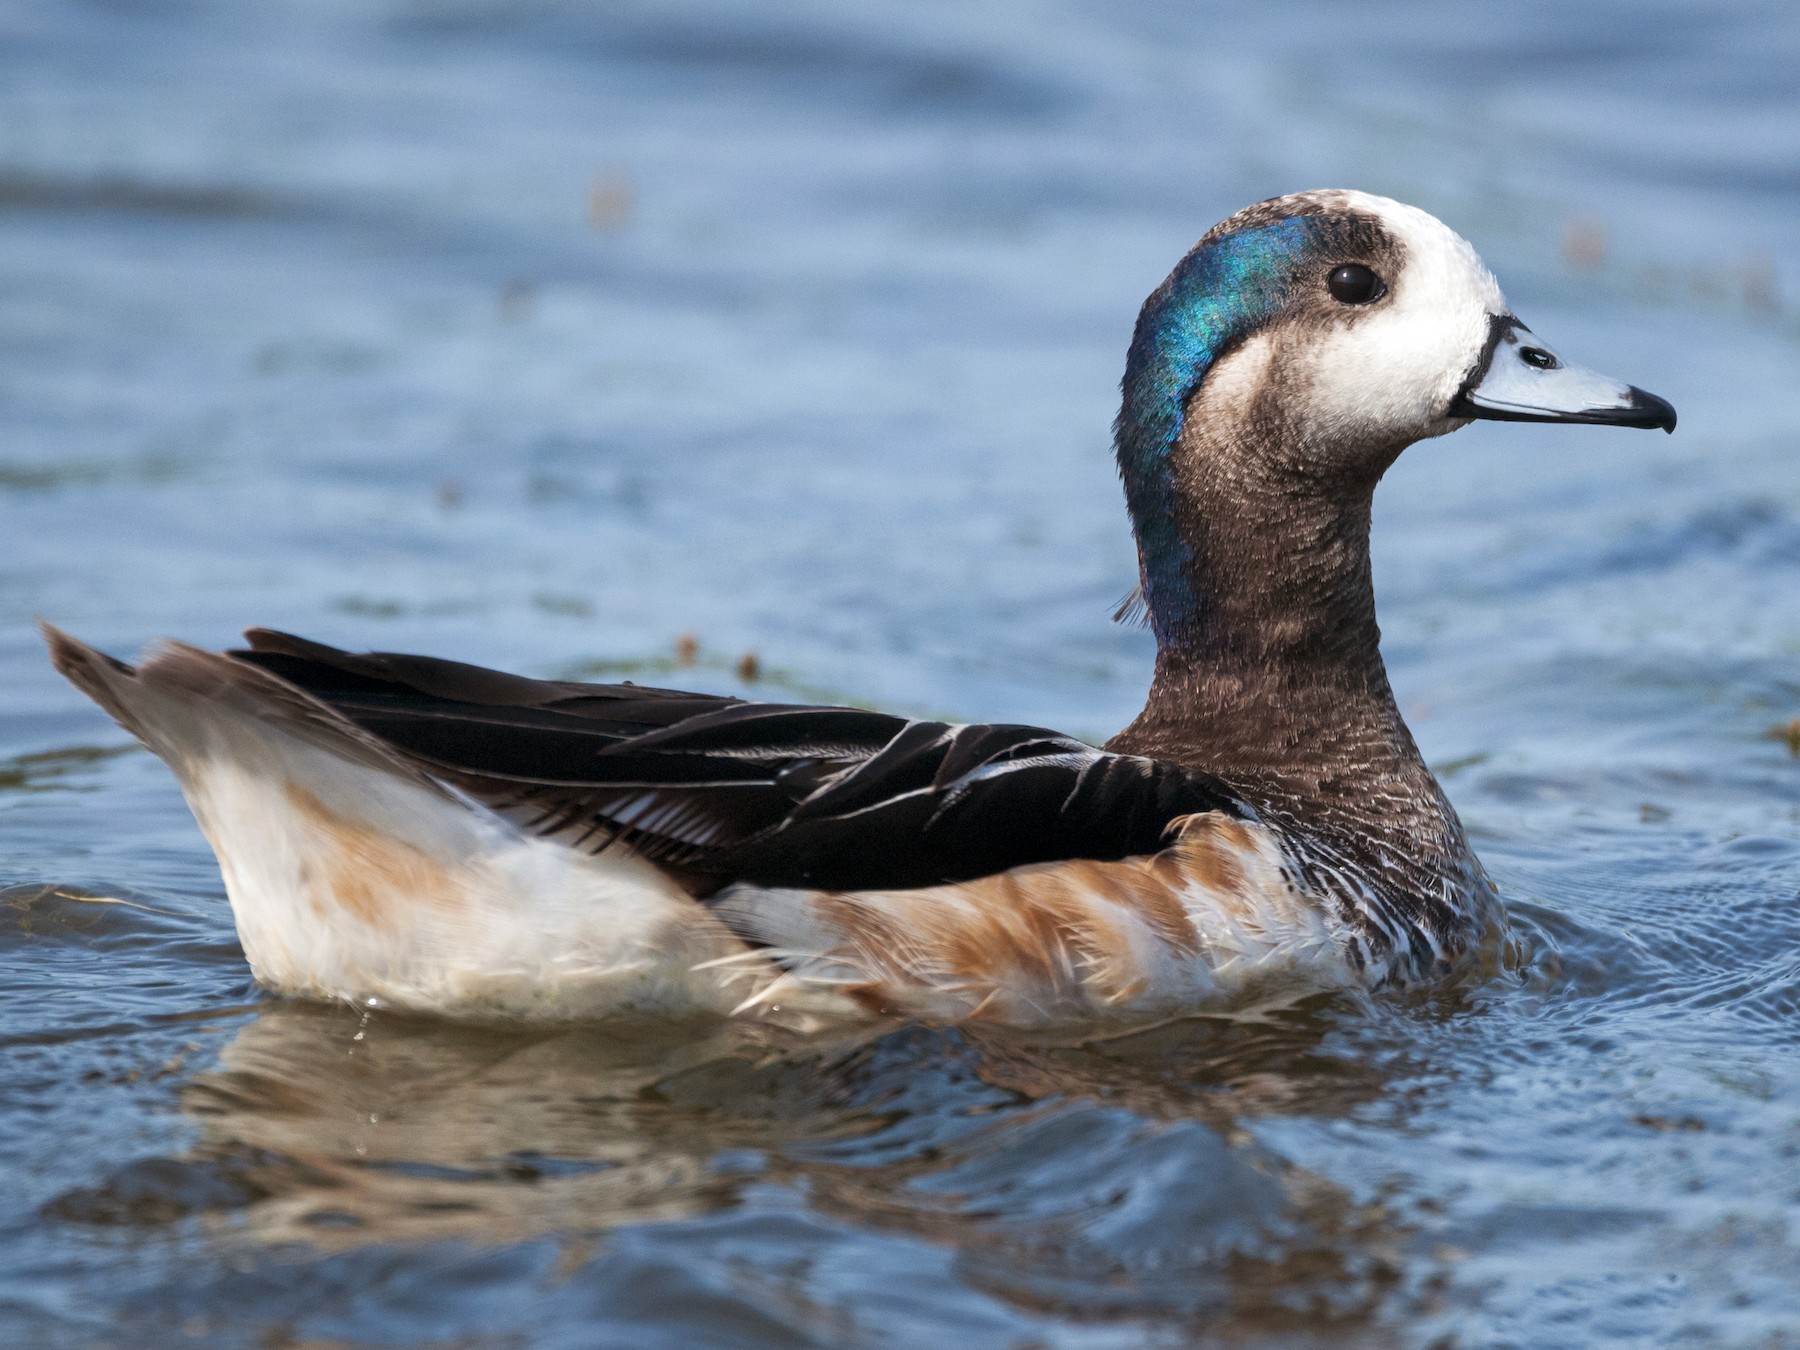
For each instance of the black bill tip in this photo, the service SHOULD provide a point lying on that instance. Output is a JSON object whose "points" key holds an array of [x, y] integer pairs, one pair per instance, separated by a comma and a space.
{"points": [[1647, 410]]}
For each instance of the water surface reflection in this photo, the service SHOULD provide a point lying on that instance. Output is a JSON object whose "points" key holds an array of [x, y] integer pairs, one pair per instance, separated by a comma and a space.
{"points": [[1107, 1178]]}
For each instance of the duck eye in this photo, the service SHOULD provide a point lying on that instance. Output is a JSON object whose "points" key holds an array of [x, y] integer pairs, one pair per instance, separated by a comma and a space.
{"points": [[1354, 284]]}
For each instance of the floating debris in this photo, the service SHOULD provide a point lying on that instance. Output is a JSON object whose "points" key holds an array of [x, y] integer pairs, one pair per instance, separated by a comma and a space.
{"points": [[26, 191], [749, 669], [1584, 244], [40, 770], [368, 607], [151, 469], [687, 649], [569, 606], [1451, 767], [1683, 1124], [1788, 733], [611, 198]]}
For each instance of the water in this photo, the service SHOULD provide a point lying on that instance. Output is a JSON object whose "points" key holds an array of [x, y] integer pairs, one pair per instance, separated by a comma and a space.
{"points": [[543, 334]]}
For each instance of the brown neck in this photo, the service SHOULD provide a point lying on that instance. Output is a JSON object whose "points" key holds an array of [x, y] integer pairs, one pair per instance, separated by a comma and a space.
{"points": [[1278, 685]]}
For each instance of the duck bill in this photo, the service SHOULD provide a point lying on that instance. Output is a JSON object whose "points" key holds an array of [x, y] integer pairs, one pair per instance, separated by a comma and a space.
{"points": [[1521, 379]]}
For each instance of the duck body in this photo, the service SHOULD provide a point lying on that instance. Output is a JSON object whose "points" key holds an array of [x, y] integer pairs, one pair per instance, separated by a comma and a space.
{"points": [[414, 832], [438, 837]]}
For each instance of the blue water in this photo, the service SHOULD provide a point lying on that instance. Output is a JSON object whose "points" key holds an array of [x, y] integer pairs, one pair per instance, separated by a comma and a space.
{"points": [[543, 334]]}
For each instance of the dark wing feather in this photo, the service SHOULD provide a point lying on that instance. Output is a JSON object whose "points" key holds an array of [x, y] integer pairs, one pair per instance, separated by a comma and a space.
{"points": [[720, 790]]}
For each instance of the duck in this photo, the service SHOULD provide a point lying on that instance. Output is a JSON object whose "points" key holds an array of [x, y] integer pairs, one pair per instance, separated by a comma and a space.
{"points": [[415, 833]]}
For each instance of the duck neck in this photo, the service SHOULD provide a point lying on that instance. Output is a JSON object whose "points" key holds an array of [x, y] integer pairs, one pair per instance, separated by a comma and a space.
{"points": [[1278, 569], [1269, 665]]}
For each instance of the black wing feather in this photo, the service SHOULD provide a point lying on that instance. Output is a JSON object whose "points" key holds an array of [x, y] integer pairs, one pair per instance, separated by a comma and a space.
{"points": [[721, 790]]}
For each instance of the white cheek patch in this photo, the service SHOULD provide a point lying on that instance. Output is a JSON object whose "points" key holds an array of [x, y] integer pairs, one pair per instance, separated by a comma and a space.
{"points": [[1232, 384], [1392, 373]]}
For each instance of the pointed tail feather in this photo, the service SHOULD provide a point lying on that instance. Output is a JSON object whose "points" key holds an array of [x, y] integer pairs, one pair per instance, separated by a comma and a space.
{"points": [[174, 702]]}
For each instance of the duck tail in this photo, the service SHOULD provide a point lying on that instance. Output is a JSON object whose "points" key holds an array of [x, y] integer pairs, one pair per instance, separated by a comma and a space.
{"points": [[182, 703], [354, 873]]}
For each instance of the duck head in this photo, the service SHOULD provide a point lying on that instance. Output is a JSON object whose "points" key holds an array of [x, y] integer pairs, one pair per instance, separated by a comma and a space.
{"points": [[1285, 363]]}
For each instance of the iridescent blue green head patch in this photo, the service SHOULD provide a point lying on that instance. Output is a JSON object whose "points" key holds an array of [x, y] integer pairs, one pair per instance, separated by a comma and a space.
{"points": [[1220, 293]]}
